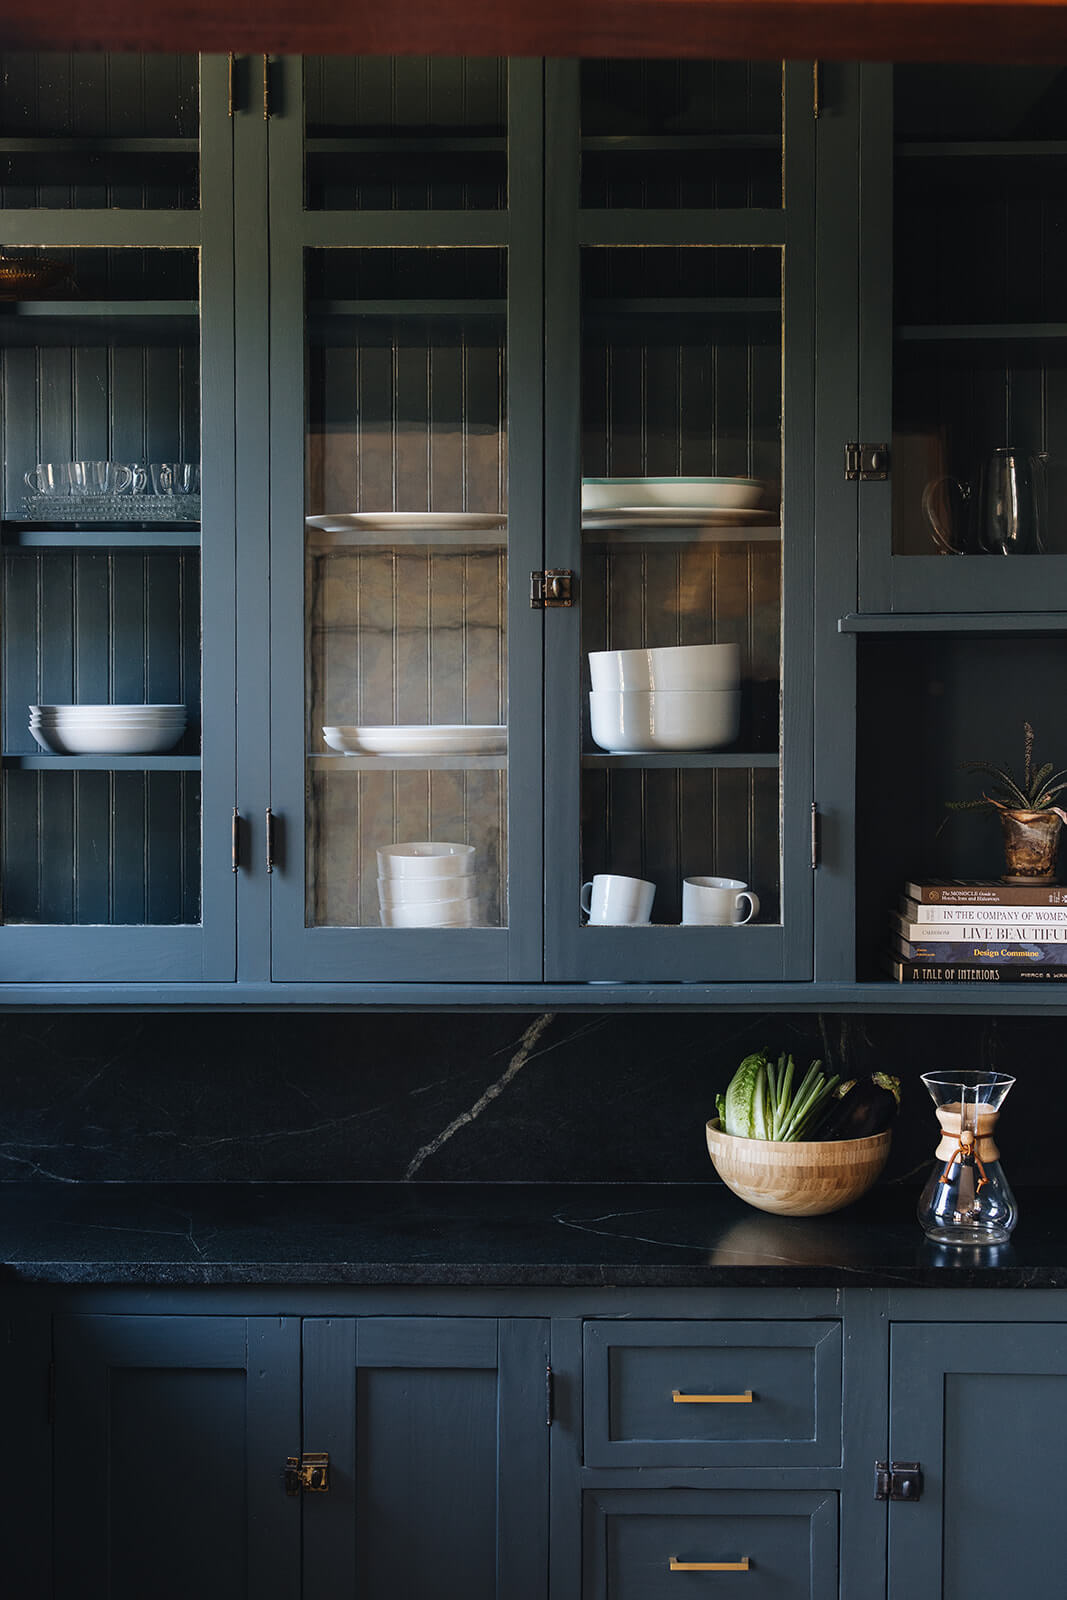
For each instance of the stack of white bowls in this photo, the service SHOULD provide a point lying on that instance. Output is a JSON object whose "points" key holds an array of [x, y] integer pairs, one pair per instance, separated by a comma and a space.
{"points": [[679, 697], [427, 885], [107, 730]]}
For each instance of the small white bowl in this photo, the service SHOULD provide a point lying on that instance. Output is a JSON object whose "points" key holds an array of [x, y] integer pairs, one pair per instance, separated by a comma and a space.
{"points": [[719, 494], [664, 720], [108, 711], [439, 914], [682, 667], [425, 859], [422, 891]]}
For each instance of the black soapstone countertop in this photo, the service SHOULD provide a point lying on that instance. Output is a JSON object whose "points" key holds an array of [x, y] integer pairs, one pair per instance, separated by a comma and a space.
{"points": [[580, 1235]]}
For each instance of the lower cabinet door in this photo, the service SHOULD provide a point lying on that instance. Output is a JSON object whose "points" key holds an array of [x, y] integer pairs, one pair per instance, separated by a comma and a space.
{"points": [[438, 1444], [171, 1435], [664, 1544], [982, 1407]]}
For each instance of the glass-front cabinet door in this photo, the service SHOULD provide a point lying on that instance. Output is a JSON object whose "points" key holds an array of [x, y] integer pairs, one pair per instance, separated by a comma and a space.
{"points": [[678, 490], [963, 349], [116, 617], [406, 496]]}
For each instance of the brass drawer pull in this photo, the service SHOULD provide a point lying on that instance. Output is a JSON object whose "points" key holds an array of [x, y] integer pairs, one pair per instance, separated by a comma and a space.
{"points": [[709, 1566], [681, 1399]]}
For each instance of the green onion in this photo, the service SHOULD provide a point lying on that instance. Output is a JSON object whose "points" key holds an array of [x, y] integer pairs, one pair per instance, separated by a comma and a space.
{"points": [[760, 1102]]}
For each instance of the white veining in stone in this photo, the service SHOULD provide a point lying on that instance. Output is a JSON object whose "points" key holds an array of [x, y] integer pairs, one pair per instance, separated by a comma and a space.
{"points": [[521, 1056]]}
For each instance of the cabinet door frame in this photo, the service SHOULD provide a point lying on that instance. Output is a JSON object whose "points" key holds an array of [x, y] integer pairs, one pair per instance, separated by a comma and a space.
{"points": [[354, 954], [673, 954], [205, 951], [89, 1349], [335, 1349], [923, 1357], [911, 583]]}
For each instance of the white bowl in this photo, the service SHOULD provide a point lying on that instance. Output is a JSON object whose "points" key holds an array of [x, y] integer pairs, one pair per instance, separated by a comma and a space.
{"points": [[107, 722], [441, 914], [419, 740], [685, 667], [422, 891], [425, 859], [106, 741], [719, 494], [664, 720]]}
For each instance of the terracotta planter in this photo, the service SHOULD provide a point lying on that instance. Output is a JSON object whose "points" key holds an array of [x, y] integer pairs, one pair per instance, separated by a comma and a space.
{"points": [[1031, 839]]}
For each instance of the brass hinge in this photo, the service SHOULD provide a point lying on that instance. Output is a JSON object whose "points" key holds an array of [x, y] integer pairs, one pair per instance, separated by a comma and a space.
{"points": [[309, 1472], [897, 1480], [550, 1395], [550, 588], [867, 462], [814, 836]]}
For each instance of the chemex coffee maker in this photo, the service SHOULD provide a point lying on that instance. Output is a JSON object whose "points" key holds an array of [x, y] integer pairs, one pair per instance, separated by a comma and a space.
{"points": [[967, 1200], [1006, 517]]}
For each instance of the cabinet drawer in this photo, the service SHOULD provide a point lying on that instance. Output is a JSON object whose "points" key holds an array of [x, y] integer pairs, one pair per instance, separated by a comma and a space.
{"points": [[712, 1394], [756, 1545]]}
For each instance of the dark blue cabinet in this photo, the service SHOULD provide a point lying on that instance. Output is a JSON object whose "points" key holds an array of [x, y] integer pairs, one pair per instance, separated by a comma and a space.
{"points": [[172, 1435], [983, 1408]]}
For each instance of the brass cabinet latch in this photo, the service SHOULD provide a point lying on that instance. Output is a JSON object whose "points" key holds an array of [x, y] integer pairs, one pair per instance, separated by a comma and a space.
{"points": [[897, 1480], [552, 587], [867, 462], [309, 1472]]}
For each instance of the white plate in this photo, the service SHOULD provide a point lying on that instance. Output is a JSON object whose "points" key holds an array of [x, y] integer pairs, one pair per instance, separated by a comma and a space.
{"points": [[106, 742], [442, 738], [388, 521], [109, 711]]}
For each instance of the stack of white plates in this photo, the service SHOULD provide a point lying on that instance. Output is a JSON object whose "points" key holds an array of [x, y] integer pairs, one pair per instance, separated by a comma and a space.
{"points": [[107, 730], [427, 885]]}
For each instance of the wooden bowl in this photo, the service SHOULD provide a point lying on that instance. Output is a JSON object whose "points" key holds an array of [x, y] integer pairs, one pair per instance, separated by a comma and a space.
{"points": [[797, 1180]]}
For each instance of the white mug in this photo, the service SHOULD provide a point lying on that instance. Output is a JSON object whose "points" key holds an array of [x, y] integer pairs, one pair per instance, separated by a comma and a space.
{"points": [[717, 902], [611, 899]]}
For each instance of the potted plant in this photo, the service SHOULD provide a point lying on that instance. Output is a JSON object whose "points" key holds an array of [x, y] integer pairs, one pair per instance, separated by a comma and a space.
{"points": [[1030, 822]]}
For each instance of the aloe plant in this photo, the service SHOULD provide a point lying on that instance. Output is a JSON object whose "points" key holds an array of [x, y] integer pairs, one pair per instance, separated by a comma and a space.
{"points": [[1034, 791]]}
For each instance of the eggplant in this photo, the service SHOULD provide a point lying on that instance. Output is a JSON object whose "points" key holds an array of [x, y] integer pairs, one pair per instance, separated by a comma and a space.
{"points": [[860, 1109]]}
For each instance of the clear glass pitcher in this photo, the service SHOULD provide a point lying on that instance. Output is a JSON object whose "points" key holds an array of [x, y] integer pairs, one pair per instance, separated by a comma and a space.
{"points": [[967, 1199]]}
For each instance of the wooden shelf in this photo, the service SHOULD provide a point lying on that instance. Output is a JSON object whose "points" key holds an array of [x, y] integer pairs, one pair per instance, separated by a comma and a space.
{"points": [[342, 763], [653, 143], [915, 333], [416, 144], [47, 763], [954, 621], [692, 759], [26, 536], [91, 145], [99, 322], [598, 533], [983, 149]]}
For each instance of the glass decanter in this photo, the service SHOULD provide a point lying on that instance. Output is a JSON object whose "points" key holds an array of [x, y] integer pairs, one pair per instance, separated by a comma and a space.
{"points": [[967, 1200]]}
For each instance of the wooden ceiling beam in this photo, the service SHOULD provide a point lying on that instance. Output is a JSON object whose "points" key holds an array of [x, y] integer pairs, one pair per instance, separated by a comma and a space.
{"points": [[846, 30]]}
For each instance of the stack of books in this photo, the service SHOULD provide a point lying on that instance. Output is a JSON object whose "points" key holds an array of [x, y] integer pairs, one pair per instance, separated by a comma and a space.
{"points": [[970, 930]]}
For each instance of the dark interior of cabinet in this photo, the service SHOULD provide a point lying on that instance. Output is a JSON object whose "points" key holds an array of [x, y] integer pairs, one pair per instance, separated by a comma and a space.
{"points": [[670, 134], [405, 133], [980, 295], [928, 703], [95, 130], [407, 412]]}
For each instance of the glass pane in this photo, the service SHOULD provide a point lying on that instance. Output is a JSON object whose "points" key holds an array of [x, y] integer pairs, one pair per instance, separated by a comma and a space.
{"points": [[87, 131], [101, 594], [980, 310], [405, 133], [667, 134], [406, 585], [681, 453]]}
